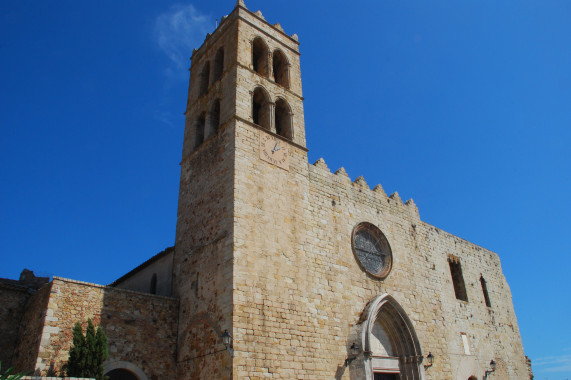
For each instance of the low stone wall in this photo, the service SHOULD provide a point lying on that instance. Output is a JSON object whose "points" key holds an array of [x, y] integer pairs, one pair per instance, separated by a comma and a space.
{"points": [[140, 328]]}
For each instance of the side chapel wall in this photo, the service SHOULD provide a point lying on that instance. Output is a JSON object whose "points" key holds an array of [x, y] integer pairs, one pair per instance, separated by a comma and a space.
{"points": [[140, 328]]}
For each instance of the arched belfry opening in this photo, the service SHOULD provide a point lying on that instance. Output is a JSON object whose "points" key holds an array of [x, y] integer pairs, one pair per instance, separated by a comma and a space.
{"points": [[218, 67], [261, 108], [390, 346], [280, 68], [204, 76], [260, 57], [283, 119]]}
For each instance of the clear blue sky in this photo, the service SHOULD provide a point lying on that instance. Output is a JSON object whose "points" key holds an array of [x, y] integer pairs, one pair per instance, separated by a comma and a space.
{"points": [[464, 106]]}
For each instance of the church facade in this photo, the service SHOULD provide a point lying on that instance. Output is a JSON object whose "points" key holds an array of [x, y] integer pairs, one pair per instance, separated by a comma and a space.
{"points": [[281, 268]]}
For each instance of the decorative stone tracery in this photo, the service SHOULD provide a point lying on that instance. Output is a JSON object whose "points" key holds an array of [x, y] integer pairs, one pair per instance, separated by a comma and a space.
{"points": [[388, 340]]}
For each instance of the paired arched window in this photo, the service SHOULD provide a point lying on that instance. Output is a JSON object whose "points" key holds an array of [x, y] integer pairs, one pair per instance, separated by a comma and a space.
{"points": [[207, 124], [261, 113], [204, 76], [280, 68], [260, 57], [280, 119], [261, 65], [205, 79], [200, 125], [283, 119], [218, 67]]}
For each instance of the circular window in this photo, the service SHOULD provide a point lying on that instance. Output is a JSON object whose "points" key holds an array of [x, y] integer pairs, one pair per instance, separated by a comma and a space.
{"points": [[372, 250]]}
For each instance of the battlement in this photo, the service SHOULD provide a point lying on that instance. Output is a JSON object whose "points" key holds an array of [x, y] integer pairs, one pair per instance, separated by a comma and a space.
{"points": [[257, 15], [340, 183]]}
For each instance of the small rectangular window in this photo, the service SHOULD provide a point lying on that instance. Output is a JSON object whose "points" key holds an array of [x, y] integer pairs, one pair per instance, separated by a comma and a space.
{"points": [[466, 343], [457, 278], [485, 291]]}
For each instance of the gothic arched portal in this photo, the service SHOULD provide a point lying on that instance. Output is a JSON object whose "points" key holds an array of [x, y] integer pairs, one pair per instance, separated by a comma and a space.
{"points": [[390, 345]]}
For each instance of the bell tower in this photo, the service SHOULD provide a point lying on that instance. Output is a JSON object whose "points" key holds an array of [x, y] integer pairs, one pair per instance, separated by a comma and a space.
{"points": [[247, 70], [243, 155]]}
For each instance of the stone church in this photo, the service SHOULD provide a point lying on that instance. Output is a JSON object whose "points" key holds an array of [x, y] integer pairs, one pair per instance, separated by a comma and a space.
{"points": [[281, 268]]}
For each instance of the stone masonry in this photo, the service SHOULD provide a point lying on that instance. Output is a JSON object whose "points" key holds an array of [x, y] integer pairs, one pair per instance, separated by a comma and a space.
{"points": [[298, 292], [268, 253], [140, 328]]}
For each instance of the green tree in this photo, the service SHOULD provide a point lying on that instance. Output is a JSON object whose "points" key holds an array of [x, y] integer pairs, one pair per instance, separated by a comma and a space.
{"points": [[88, 352]]}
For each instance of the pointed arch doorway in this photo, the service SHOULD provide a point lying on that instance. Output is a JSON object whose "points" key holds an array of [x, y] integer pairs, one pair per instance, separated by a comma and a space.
{"points": [[390, 345]]}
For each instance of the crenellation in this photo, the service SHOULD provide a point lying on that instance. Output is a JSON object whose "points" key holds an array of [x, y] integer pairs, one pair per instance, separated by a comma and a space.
{"points": [[396, 198], [320, 163], [360, 182], [380, 191], [341, 173]]}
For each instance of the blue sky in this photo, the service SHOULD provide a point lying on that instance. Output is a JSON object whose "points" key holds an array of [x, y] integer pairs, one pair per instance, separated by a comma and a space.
{"points": [[462, 106]]}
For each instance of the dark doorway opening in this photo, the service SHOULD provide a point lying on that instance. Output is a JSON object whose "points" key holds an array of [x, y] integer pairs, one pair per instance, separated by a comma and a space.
{"points": [[122, 374], [386, 376]]}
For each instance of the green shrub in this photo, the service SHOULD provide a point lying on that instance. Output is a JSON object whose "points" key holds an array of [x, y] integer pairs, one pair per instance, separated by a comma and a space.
{"points": [[88, 352]]}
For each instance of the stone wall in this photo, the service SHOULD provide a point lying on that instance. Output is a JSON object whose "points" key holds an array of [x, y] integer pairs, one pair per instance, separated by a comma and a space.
{"points": [[203, 262], [30, 331], [300, 292], [14, 300], [140, 328], [492, 332], [202, 276]]}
